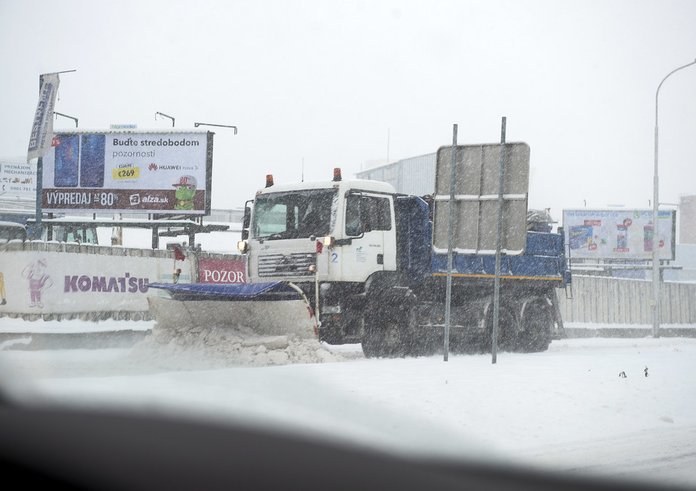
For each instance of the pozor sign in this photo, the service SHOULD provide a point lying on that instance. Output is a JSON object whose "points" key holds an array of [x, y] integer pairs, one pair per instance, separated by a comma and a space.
{"points": [[125, 171], [227, 270]]}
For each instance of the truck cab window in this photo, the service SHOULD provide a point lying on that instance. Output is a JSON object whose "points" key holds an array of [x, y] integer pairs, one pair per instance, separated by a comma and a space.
{"points": [[353, 223], [379, 213], [367, 213], [275, 219]]}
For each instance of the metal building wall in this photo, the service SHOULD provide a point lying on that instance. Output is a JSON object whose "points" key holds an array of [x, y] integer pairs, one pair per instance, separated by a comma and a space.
{"points": [[687, 219], [415, 175]]}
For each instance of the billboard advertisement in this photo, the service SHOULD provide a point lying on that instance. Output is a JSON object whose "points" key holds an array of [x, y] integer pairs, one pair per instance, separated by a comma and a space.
{"points": [[56, 282], [17, 180], [128, 172], [619, 234]]}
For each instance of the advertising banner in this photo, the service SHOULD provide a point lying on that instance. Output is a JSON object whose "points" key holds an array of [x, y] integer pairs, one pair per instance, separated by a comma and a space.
{"points": [[54, 282], [129, 172], [17, 180], [42, 127], [619, 234]]}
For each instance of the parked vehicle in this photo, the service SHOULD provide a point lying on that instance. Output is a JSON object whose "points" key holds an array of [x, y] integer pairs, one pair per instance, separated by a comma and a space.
{"points": [[12, 231]]}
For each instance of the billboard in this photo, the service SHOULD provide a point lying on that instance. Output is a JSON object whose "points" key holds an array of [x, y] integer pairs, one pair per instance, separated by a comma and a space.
{"points": [[619, 234], [128, 172], [476, 182], [17, 180]]}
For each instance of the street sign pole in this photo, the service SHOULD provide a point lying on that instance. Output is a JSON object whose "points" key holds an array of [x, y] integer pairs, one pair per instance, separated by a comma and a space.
{"points": [[450, 240], [498, 241]]}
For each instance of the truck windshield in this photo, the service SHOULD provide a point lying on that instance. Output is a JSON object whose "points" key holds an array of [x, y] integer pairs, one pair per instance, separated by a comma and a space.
{"points": [[293, 215]]}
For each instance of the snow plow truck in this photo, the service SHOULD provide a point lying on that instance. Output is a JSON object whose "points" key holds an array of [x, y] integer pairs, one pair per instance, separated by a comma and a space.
{"points": [[352, 261]]}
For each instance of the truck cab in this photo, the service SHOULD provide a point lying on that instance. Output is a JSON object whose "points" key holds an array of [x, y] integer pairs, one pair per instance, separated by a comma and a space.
{"points": [[326, 231]]}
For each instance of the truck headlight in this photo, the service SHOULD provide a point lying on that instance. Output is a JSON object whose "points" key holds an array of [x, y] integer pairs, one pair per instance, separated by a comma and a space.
{"points": [[243, 246]]}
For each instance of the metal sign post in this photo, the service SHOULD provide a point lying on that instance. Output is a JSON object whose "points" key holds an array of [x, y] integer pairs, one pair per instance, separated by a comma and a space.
{"points": [[498, 241], [450, 240]]}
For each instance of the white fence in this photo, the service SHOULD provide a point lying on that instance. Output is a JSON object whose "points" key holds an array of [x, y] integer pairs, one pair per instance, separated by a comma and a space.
{"points": [[621, 301]]}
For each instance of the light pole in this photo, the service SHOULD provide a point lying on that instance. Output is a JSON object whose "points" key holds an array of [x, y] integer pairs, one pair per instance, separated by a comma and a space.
{"points": [[166, 116], [66, 116], [218, 125], [656, 206]]}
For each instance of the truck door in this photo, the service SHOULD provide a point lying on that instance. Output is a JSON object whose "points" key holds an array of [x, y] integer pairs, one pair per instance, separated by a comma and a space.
{"points": [[369, 223]]}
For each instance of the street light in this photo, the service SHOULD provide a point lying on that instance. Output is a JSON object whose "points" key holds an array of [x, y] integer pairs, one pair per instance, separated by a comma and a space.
{"points": [[166, 116], [656, 205], [218, 125], [65, 116]]}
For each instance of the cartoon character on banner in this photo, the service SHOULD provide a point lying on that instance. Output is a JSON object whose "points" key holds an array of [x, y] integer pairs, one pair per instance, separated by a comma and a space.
{"points": [[185, 192], [35, 272]]}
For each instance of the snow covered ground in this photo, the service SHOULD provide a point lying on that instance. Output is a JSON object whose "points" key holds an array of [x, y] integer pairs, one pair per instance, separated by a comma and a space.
{"points": [[565, 409]]}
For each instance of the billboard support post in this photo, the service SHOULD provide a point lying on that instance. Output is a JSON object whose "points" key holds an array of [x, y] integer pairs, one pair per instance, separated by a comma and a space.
{"points": [[39, 188]]}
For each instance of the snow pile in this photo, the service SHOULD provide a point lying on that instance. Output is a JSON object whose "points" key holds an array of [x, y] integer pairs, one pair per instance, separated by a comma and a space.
{"points": [[216, 347]]}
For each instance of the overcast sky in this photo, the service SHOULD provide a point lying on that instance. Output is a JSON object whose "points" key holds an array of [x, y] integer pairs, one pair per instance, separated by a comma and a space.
{"points": [[349, 83]]}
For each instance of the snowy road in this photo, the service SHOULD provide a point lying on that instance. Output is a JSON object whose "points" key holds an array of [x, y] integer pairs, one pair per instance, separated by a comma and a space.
{"points": [[566, 409]]}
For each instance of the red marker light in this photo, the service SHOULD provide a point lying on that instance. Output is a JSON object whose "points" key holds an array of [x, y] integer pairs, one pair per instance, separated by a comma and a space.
{"points": [[337, 174], [269, 180]]}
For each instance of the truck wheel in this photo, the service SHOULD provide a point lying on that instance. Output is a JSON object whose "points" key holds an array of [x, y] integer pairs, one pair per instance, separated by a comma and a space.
{"points": [[371, 344], [385, 324], [536, 326], [417, 341], [507, 329], [383, 340]]}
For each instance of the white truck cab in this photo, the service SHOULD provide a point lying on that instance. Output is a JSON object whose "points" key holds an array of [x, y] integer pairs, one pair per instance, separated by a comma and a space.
{"points": [[339, 230]]}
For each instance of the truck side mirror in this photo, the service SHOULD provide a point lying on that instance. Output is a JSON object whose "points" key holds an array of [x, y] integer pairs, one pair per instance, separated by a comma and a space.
{"points": [[245, 234], [247, 216]]}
